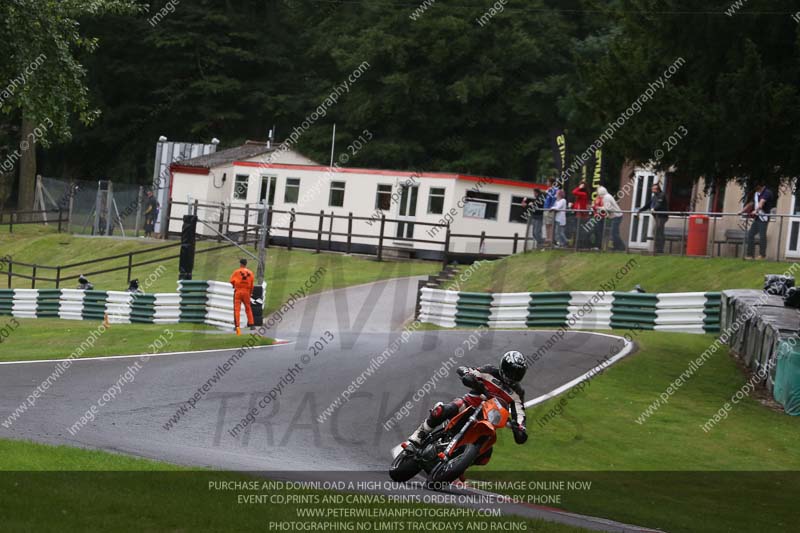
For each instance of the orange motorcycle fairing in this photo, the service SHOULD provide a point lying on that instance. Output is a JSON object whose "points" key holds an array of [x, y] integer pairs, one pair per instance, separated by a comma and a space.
{"points": [[494, 416]]}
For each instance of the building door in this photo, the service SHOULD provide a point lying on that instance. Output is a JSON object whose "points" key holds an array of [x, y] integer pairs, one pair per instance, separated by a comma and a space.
{"points": [[642, 225], [267, 192], [407, 214], [793, 240]]}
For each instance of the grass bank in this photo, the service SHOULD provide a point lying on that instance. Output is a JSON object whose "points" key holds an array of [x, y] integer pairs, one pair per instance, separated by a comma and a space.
{"points": [[664, 470], [568, 271], [51, 338]]}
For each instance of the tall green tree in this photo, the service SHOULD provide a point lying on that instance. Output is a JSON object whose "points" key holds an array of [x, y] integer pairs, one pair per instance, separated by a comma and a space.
{"points": [[39, 41], [736, 95]]}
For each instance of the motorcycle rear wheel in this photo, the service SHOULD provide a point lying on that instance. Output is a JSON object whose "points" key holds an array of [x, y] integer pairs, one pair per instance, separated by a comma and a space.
{"points": [[451, 470], [404, 467]]}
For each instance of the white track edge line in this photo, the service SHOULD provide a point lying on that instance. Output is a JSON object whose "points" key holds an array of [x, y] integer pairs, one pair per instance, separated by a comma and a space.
{"points": [[565, 387], [111, 357]]}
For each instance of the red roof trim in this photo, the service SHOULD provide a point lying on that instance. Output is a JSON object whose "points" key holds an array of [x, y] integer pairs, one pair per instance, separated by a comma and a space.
{"points": [[399, 173], [188, 170]]}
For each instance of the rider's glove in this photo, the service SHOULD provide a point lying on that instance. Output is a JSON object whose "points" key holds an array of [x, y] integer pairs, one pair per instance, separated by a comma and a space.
{"points": [[462, 371], [520, 433]]}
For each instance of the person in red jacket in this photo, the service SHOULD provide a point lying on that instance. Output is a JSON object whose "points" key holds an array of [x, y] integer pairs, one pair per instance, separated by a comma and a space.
{"points": [[242, 280], [581, 205]]}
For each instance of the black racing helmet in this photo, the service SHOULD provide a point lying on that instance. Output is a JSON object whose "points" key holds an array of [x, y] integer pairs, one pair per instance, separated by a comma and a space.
{"points": [[513, 366]]}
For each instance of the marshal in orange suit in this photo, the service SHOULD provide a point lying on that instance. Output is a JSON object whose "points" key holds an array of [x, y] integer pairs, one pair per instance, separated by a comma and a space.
{"points": [[242, 280]]}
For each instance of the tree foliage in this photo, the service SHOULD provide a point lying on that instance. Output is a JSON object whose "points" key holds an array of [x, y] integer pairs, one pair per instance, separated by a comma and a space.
{"points": [[441, 92]]}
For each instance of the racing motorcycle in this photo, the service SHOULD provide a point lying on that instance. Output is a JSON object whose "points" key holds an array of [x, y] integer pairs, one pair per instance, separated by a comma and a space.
{"points": [[448, 451]]}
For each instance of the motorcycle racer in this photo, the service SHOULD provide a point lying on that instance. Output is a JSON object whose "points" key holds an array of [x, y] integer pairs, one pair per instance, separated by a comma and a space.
{"points": [[488, 380]]}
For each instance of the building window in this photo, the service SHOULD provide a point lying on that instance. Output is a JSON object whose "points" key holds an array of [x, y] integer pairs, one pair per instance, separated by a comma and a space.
{"points": [[240, 187], [481, 205], [292, 193], [336, 198], [716, 196], [383, 197], [436, 201], [517, 213]]}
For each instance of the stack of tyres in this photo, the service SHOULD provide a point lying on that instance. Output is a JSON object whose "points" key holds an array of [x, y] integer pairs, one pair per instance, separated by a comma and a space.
{"points": [[94, 305], [632, 310], [6, 301], [548, 309], [193, 301], [48, 303]]}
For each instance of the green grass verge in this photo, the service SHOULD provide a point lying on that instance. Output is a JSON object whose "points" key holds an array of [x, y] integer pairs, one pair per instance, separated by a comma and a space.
{"points": [[665, 472], [51, 338], [57, 488], [568, 271], [287, 271]]}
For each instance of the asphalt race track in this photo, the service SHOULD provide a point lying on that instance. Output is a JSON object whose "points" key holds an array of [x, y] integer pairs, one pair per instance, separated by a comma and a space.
{"points": [[287, 433]]}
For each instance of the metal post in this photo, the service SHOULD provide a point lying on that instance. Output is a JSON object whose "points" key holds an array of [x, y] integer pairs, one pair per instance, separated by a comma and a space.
{"points": [[262, 248], [10, 267], [780, 237], [482, 243], [72, 189], [33, 278], [269, 227], [683, 233], [516, 237], [58, 276], [60, 214], [746, 238], [291, 227], [349, 230], [319, 229], [139, 201], [221, 223], [714, 237], [330, 231], [11, 223], [446, 247], [380, 237], [246, 222], [130, 266], [109, 202], [167, 220]]}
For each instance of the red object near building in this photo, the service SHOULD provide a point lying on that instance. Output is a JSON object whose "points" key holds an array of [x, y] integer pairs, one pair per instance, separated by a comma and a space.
{"points": [[697, 240]]}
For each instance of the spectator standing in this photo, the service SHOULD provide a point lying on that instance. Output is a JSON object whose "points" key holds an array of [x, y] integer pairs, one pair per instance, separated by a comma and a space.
{"points": [[599, 214], [535, 213], [658, 206], [560, 209], [760, 208], [150, 214], [614, 213], [549, 202], [581, 205]]}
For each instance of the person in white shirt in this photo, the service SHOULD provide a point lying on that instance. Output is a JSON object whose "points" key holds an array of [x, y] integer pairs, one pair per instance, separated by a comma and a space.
{"points": [[560, 208], [613, 213]]}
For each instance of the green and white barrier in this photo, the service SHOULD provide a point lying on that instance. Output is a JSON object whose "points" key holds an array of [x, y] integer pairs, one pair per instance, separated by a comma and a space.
{"points": [[197, 302], [694, 312]]}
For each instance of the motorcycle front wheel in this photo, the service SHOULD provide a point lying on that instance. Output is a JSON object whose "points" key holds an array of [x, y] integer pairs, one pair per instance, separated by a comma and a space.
{"points": [[404, 467], [451, 470]]}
